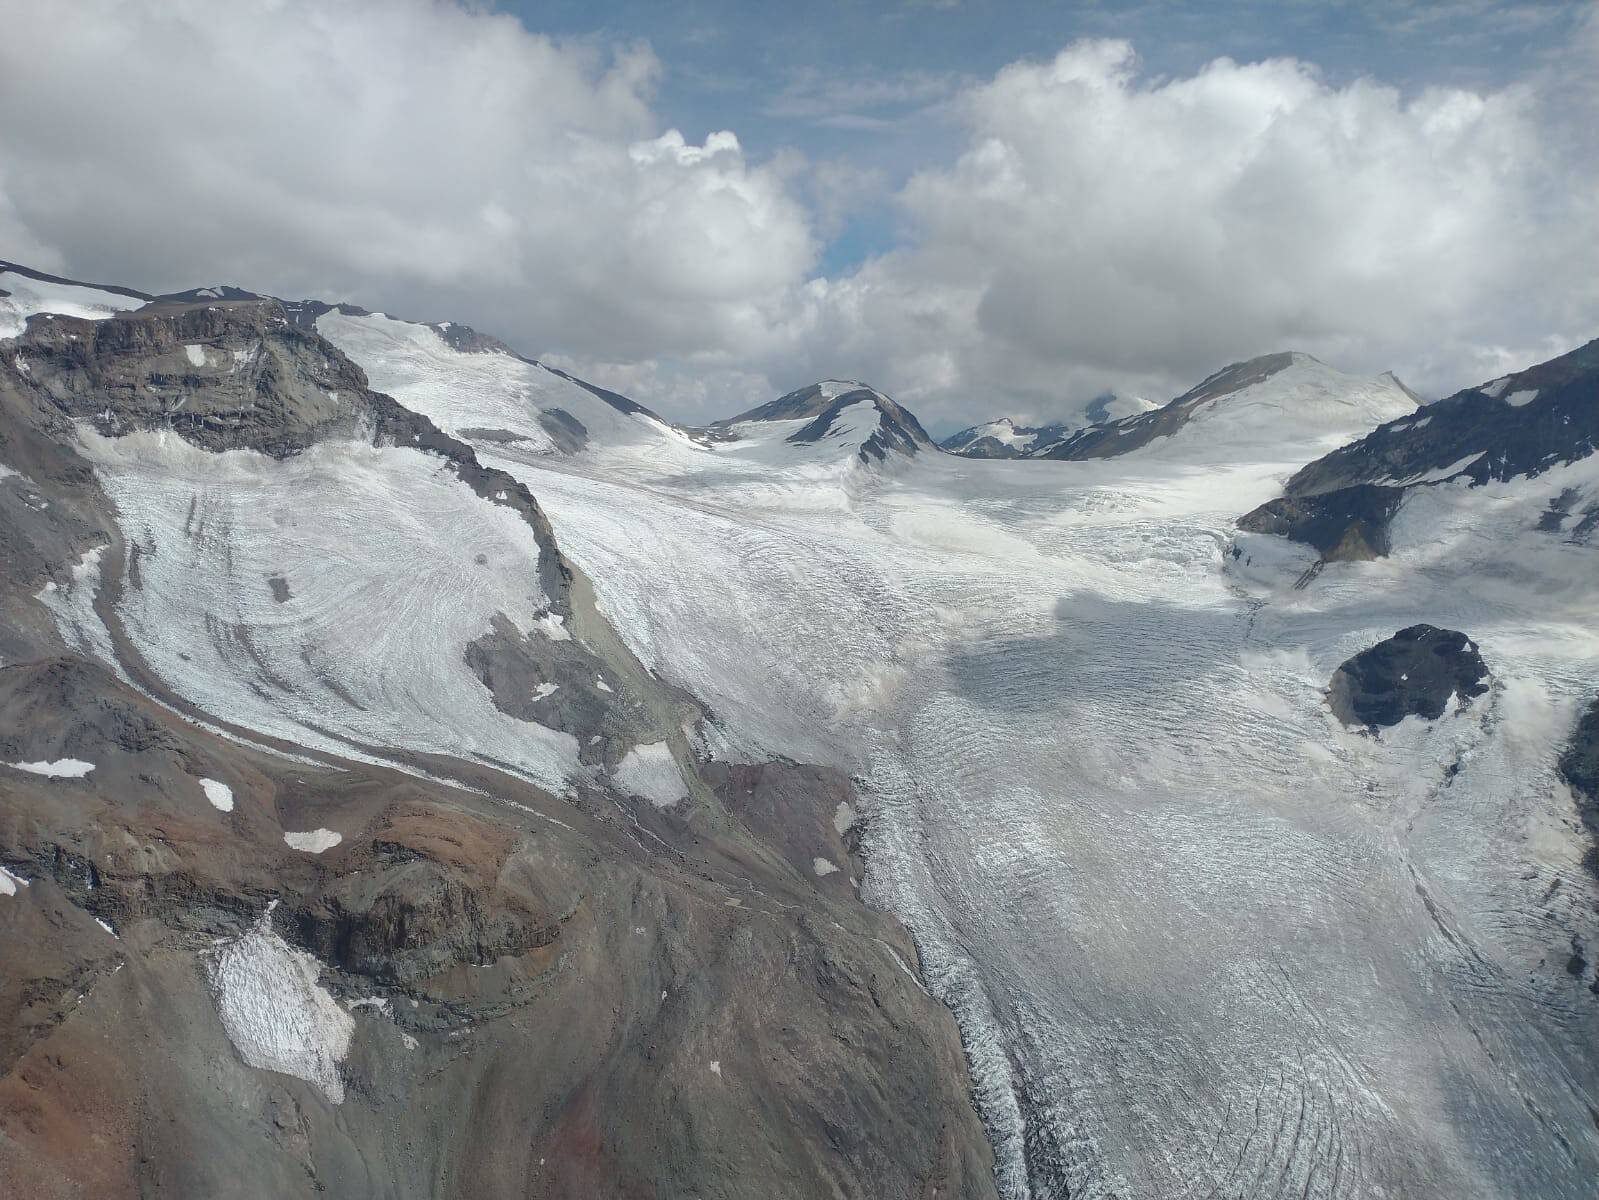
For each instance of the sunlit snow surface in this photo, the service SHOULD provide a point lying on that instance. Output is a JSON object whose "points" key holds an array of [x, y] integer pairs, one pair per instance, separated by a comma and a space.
{"points": [[391, 565], [1202, 941]]}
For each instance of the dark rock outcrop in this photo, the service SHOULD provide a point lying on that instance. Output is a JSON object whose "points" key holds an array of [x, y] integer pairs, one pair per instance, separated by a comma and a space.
{"points": [[1517, 426], [1347, 525], [1579, 765], [1414, 673]]}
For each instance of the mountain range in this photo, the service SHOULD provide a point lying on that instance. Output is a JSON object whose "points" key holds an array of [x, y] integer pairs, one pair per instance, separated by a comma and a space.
{"points": [[428, 773]]}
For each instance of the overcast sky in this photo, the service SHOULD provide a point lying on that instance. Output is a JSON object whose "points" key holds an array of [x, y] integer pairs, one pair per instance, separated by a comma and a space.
{"points": [[982, 208]]}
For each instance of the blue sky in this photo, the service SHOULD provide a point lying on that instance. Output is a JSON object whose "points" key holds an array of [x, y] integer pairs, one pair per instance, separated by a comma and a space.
{"points": [[870, 82]]}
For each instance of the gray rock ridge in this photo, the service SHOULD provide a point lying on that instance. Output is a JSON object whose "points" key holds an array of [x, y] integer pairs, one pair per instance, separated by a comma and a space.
{"points": [[1416, 672], [1518, 426]]}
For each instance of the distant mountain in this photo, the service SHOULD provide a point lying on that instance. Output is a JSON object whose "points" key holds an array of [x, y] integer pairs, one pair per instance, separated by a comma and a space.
{"points": [[838, 413], [1516, 426], [1004, 438], [1279, 402]]}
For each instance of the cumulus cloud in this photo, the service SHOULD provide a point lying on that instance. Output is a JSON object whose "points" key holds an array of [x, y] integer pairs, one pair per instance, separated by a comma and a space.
{"points": [[416, 155], [1100, 231], [1081, 228]]}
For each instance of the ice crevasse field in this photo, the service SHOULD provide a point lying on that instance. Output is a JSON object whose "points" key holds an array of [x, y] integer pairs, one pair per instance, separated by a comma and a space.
{"points": [[1202, 939]]}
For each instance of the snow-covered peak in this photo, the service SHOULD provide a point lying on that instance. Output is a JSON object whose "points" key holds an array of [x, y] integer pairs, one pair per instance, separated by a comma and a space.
{"points": [[1286, 407], [477, 389], [835, 417]]}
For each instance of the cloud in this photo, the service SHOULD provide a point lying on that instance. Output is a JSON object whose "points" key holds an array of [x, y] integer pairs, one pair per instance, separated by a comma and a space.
{"points": [[1099, 230], [1082, 228], [424, 157]]}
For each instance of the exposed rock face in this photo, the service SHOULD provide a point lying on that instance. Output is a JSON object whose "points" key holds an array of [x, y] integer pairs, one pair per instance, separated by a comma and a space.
{"points": [[1348, 525], [1414, 673], [1517, 426], [1579, 764]]}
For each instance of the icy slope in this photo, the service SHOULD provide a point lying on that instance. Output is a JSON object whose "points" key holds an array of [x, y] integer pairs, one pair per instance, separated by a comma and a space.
{"points": [[1281, 406], [327, 599], [293, 554], [24, 293], [486, 393], [1202, 940]]}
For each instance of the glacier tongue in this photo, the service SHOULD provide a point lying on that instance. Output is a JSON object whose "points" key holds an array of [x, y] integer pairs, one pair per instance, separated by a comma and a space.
{"points": [[1200, 938]]}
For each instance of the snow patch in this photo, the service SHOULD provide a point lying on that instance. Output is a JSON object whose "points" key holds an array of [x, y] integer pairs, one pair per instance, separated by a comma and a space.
{"points": [[1521, 399], [651, 773], [9, 883], [61, 768], [553, 626], [823, 867], [196, 355], [545, 689], [313, 841], [220, 794], [32, 296], [274, 1012], [843, 817]]}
